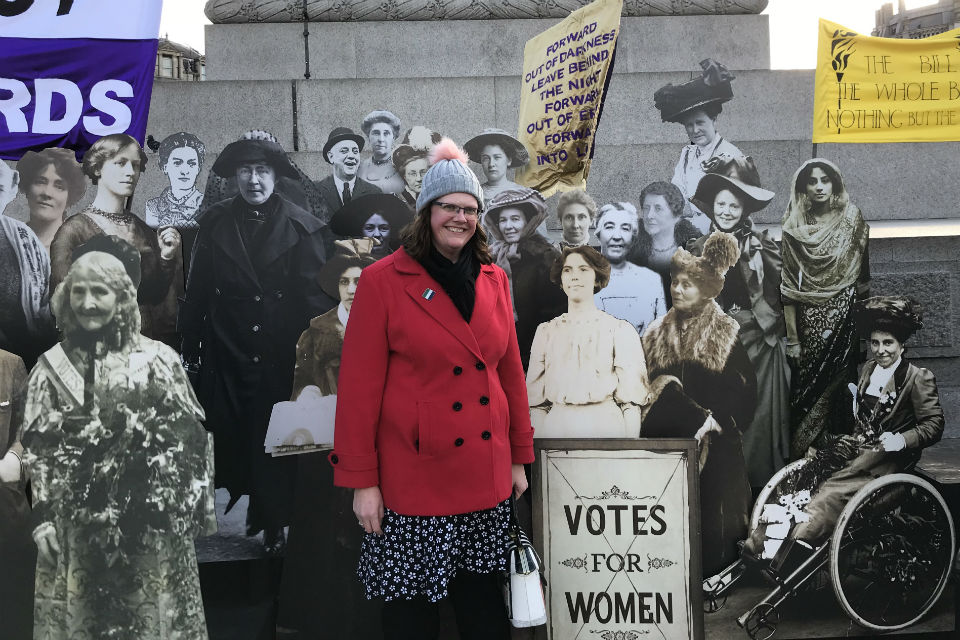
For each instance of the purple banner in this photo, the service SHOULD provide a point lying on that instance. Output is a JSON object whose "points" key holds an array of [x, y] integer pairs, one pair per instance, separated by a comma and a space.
{"points": [[67, 93]]}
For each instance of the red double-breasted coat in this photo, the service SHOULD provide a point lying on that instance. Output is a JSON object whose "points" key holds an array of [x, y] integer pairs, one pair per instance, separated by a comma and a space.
{"points": [[429, 407]]}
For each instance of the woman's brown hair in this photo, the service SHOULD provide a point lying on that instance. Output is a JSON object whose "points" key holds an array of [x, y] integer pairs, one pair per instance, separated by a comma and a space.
{"points": [[417, 238]]}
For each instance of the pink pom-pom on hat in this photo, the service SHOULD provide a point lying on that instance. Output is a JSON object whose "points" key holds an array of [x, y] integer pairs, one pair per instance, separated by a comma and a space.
{"points": [[447, 149], [448, 173]]}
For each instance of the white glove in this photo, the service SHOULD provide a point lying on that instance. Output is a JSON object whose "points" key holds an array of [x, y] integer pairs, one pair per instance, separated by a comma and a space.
{"points": [[46, 538], [892, 441]]}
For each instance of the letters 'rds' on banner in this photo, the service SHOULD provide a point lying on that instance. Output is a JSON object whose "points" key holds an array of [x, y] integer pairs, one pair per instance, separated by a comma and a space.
{"points": [[565, 73], [71, 72], [886, 89]]}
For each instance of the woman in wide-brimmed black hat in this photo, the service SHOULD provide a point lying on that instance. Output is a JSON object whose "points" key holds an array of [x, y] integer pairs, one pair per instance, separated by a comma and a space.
{"points": [[376, 216], [696, 105], [730, 192], [897, 414]]}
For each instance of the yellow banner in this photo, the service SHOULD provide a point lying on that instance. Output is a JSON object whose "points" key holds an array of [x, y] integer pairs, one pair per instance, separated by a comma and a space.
{"points": [[886, 89], [565, 73]]}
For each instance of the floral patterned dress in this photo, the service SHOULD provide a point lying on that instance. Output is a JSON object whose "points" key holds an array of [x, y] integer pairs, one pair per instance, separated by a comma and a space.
{"points": [[124, 473]]}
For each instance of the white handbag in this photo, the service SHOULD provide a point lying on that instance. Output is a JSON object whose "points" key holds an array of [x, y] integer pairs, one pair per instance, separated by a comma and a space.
{"points": [[523, 589]]}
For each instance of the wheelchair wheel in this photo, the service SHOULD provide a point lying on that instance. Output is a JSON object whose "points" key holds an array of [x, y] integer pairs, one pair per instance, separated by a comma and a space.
{"points": [[891, 552], [769, 491]]}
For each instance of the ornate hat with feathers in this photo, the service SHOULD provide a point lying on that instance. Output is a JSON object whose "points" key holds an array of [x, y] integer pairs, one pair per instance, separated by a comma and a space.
{"points": [[720, 252], [901, 317]]}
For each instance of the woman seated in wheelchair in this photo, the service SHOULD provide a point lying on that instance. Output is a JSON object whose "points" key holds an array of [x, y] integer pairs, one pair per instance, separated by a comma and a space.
{"points": [[898, 413]]}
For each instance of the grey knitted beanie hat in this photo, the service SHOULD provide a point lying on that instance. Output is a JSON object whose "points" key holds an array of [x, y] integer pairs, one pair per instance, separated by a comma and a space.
{"points": [[449, 174]]}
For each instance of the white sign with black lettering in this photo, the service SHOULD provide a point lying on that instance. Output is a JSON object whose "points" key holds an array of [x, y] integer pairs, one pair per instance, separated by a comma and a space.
{"points": [[618, 540]]}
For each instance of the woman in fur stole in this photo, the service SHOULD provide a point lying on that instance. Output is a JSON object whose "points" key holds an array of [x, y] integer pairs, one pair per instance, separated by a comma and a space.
{"points": [[705, 388]]}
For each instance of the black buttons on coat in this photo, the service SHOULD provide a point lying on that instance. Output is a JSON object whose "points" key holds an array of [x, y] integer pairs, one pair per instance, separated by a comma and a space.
{"points": [[334, 458], [255, 328], [256, 359], [257, 298], [457, 371], [486, 435], [457, 406], [480, 366], [458, 442], [484, 400]]}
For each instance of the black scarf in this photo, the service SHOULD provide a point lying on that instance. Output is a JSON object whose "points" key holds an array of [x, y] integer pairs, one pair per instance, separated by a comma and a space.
{"points": [[458, 279]]}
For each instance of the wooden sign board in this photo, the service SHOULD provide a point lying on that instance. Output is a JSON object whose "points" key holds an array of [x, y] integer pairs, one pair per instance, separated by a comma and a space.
{"points": [[617, 523]]}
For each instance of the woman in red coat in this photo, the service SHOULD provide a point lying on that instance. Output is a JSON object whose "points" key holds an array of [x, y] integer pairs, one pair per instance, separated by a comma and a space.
{"points": [[432, 423]]}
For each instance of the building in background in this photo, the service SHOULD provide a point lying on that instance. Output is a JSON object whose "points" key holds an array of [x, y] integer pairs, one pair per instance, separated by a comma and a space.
{"points": [[920, 22], [179, 62]]}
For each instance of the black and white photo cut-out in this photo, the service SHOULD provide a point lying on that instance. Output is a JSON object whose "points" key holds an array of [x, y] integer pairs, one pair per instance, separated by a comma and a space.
{"points": [[587, 377], [114, 164], [496, 151], [253, 288], [52, 181], [705, 387], [697, 105], [634, 293], [731, 193], [26, 325], [513, 218], [180, 157], [121, 466], [382, 130]]}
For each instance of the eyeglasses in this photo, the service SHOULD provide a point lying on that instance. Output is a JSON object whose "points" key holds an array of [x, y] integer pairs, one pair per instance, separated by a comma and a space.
{"points": [[452, 209]]}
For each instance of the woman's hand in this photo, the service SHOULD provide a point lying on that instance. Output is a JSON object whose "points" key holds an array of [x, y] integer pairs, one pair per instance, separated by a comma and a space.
{"points": [[169, 239], [710, 424], [892, 441], [46, 538], [519, 480], [368, 507]]}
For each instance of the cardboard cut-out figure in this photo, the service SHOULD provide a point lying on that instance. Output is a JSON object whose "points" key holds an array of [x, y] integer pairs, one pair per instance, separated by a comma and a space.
{"points": [[826, 270], [180, 158], [410, 158], [251, 292], [380, 217], [52, 182], [319, 593], [897, 413], [730, 192], [114, 163], [496, 151], [705, 387], [26, 326], [587, 377], [513, 217], [634, 294], [663, 230], [342, 151], [120, 464], [696, 105], [382, 128], [18, 553], [577, 212]]}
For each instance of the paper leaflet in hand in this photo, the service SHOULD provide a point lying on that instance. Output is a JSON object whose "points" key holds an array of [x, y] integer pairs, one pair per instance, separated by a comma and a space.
{"points": [[303, 425]]}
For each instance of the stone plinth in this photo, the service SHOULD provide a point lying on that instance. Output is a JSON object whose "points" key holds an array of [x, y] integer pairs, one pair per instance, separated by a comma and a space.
{"points": [[280, 11], [469, 48]]}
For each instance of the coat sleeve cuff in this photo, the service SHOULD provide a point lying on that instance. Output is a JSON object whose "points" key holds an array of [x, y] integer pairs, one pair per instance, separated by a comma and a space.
{"points": [[912, 438], [356, 472], [521, 453]]}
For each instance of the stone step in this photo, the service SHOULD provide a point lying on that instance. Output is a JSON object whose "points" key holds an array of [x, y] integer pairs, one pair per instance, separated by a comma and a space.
{"points": [[468, 48]]}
